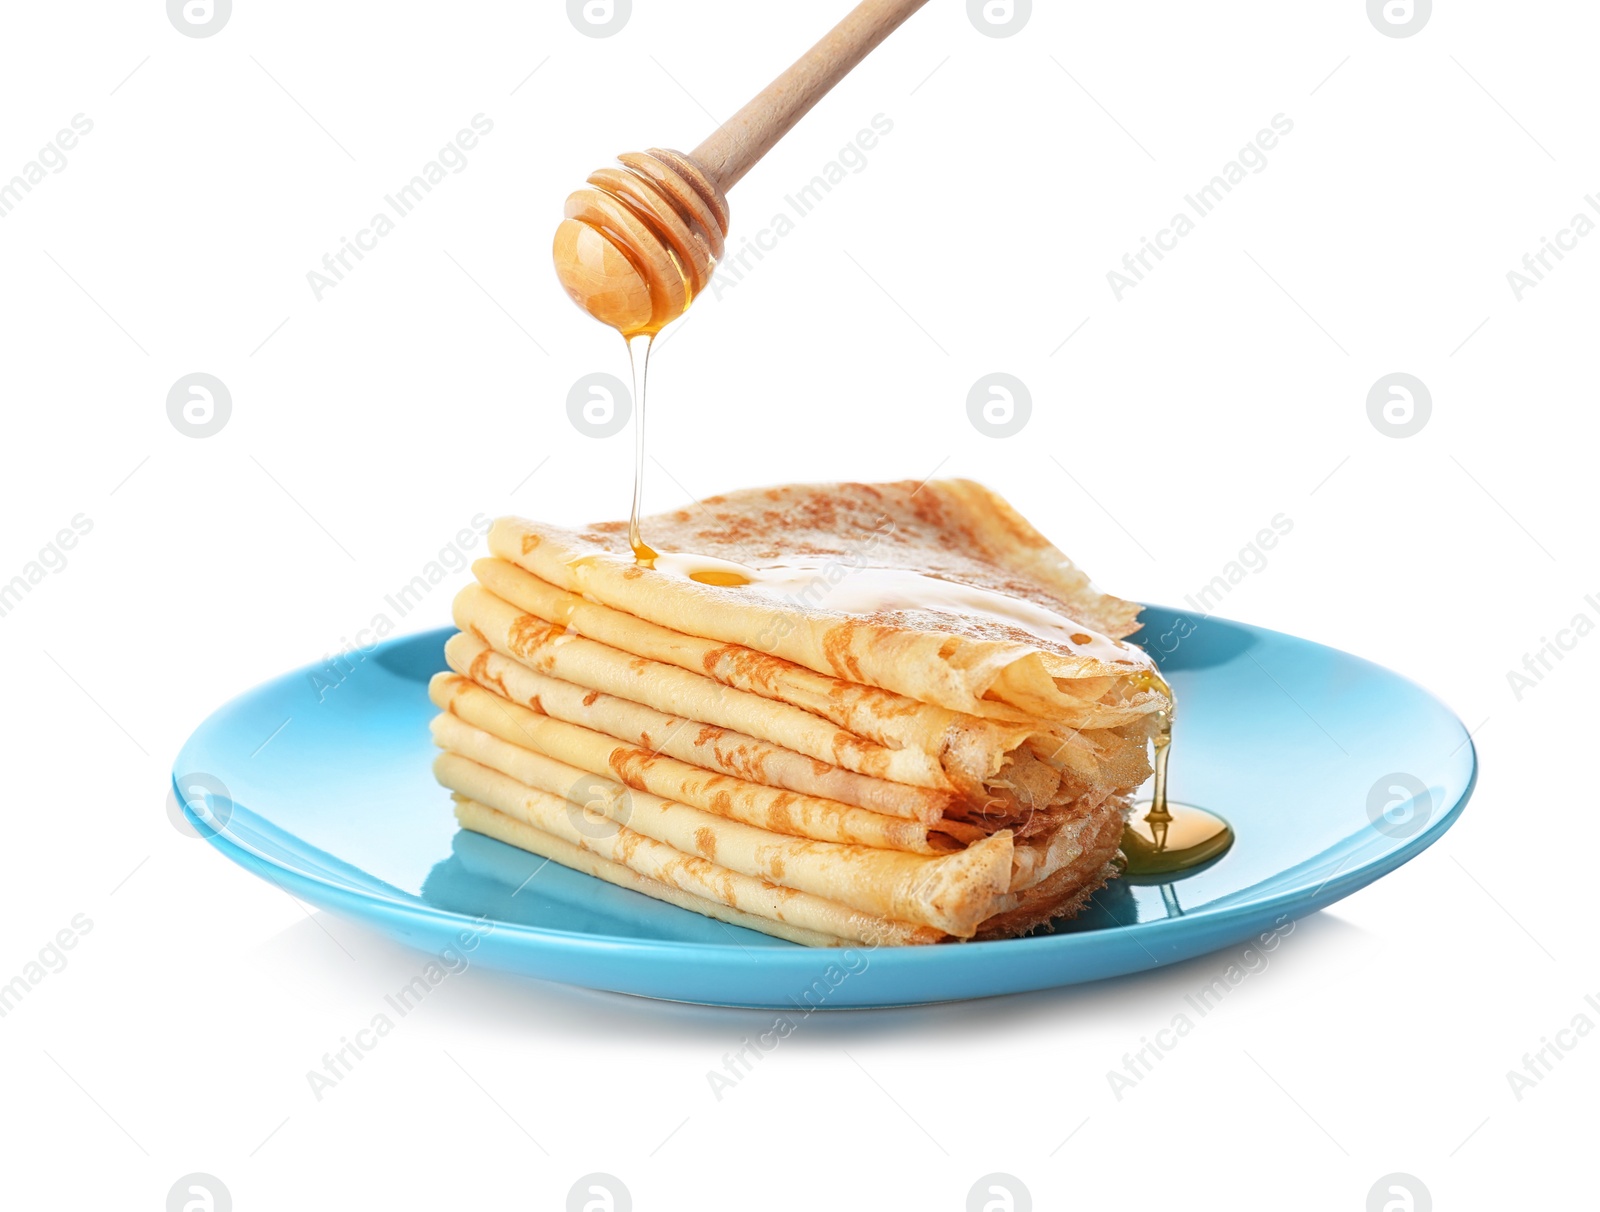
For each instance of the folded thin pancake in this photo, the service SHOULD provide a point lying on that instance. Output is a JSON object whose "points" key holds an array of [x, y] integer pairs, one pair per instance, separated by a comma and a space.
{"points": [[543, 824], [1031, 863], [554, 650], [952, 531], [687, 740], [546, 816], [880, 715], [952, 893], [559, 749], [971, 749], [769, 909], [475, 714], [1052, 766], [481, 819], [1028, 796]]}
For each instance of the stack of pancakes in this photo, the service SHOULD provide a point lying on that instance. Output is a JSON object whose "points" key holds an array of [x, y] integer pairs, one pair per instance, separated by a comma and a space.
{"points": [[888, 713]]}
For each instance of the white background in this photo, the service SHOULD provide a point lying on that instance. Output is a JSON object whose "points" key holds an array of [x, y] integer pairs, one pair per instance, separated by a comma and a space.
{"points": [[369, 427]]}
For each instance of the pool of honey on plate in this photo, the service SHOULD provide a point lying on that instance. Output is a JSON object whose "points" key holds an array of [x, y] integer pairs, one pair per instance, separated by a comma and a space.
{"points": [[1163, 838]]}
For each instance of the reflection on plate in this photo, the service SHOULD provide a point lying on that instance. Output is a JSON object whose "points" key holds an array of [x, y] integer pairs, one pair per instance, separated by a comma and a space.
{"points": [[326, 790]]}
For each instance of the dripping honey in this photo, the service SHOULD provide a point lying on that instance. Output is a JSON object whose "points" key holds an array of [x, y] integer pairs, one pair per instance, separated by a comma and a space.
{"points": [[1164, 838]]}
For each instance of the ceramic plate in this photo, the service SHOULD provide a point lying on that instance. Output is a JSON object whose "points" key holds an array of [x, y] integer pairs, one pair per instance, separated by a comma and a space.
{"points": [[1332, 771]]}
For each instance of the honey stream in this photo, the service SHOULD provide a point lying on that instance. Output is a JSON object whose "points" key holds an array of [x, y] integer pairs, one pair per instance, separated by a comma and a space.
{"points": [[639, 346], [1164, 838]]}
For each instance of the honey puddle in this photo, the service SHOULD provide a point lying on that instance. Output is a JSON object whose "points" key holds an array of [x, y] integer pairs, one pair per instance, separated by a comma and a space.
{"points": [[1164, 838]]}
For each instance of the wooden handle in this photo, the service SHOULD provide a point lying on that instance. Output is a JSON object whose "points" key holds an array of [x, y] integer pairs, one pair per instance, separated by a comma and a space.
{"points": [[736, 145], [642, 241]]}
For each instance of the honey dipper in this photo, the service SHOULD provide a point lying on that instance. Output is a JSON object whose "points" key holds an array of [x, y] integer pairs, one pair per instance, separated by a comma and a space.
{"points": [[642, 241]]}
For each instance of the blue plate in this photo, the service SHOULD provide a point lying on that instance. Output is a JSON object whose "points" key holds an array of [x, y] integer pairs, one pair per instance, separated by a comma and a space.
{"points": [[1332, 771]]}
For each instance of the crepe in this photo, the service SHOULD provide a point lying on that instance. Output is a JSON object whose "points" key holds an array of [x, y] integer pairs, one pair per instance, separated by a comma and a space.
{"points": [[555, 748], [650, 866], [891, 703], [953, 531], [997, 771], [554, 650], [701, 744], [485, 820], [969, 749]]}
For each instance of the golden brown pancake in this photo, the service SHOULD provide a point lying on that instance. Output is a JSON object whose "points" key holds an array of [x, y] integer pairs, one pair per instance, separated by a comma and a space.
{"points": [[891, 703]]}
